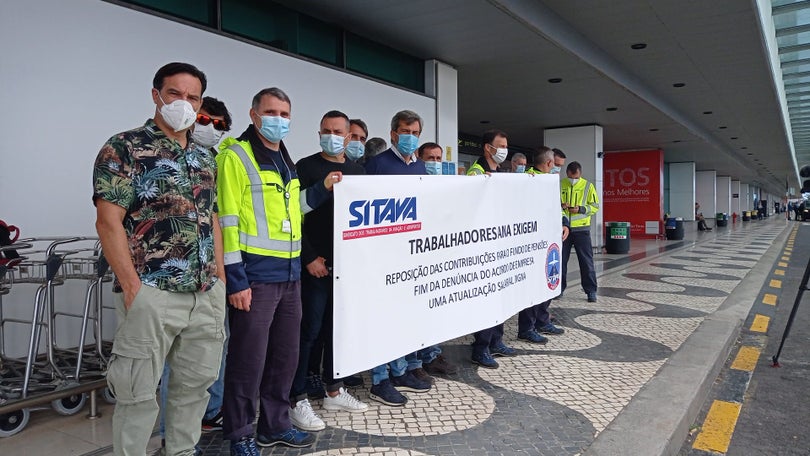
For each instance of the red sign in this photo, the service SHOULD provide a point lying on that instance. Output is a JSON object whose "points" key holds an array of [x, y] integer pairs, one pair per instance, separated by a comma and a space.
{"points": [[634, 190]]}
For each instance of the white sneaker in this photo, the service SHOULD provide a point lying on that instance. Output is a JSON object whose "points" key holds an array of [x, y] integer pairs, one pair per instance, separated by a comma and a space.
{"points": [[344, 401], [304, 418]]}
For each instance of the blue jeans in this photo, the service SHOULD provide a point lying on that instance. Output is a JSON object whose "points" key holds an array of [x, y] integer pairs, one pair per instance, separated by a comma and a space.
{"points": [[427, 355], [380, 373], [215, 390]]}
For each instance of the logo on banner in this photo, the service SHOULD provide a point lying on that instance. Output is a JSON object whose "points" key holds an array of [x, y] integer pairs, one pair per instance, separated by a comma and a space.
{"points": [[553, 264], [382, 216]]}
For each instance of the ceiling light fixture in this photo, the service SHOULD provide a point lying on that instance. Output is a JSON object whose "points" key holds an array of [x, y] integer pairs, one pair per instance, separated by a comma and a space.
{"points": [[722, 127], [612, 108], [707, 112], [653, 129], [555, 80], [484, 122], [638, 46], [734, 137], [679, 84]]}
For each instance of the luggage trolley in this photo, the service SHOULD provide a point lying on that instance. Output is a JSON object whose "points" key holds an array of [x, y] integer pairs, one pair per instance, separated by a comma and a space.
{"points": [[57, 376]]}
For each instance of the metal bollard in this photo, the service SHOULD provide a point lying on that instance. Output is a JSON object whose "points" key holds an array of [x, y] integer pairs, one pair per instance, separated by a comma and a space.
{"points": [[93, 407]]}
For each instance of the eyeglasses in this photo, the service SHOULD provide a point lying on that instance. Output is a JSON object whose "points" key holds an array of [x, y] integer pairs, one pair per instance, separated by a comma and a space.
{"points": [[220, 125]]}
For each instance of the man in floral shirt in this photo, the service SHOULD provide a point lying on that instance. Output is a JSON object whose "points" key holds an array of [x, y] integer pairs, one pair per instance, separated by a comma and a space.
{"points": [[156, 203]]}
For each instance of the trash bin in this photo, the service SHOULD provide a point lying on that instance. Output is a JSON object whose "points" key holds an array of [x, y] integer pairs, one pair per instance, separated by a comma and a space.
{"points": [[617, 239], [721, 219], [674, 228], [746, 216]]}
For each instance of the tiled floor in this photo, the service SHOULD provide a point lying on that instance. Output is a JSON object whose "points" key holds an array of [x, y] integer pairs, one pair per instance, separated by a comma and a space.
{"points": [[551, 399]]}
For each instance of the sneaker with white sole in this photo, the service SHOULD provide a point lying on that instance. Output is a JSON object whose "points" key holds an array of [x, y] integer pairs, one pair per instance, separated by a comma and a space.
{"points": [[303, 417], [344, 401]]}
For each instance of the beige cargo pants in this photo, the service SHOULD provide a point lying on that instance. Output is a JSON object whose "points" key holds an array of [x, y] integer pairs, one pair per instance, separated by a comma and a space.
{"points": [[187, 331]]}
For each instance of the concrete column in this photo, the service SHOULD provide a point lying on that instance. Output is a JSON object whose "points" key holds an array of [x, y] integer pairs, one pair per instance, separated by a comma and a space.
{"points": [[736, 207], [745, 197], [706, 192], [441, 82], [723, 195], [583, 144], [682, 190]]}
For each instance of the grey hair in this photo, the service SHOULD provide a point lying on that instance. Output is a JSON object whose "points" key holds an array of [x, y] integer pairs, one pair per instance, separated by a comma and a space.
{"points": [[406, 116], [518, 156], [542, 155], [272, 91]]}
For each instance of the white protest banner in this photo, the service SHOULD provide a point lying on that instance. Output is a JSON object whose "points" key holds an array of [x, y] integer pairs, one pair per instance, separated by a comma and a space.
{"points": [[423, 259]]}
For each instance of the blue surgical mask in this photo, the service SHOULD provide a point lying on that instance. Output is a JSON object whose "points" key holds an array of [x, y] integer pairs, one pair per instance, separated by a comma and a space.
{"points": [[520, 168], [407, 144], [555, 170], [355, 150], [433, 168], [332, 144], [274, 128]]}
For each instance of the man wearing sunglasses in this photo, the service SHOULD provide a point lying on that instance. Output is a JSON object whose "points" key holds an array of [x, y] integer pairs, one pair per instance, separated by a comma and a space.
{"points": [[213, 121]]}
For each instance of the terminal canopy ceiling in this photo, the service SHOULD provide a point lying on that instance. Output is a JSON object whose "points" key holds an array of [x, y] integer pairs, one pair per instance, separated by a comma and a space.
{"points": [[693, 78]]}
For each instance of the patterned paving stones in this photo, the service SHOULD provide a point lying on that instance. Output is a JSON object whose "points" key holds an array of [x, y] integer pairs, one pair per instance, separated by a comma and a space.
{"points": [[554, 399]]}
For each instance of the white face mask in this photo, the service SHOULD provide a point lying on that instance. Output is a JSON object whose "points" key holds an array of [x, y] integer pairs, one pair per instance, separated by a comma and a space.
{"points": [[178, 115], [573, 180], [206, 135], [500, 155]]}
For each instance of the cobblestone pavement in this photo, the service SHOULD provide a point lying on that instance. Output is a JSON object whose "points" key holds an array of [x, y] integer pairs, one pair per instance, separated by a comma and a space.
{"points": [[555, 399]]}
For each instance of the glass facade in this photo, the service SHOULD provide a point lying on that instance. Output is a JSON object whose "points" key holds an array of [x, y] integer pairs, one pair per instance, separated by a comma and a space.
{"points": [[268, 23], [791, 19]]}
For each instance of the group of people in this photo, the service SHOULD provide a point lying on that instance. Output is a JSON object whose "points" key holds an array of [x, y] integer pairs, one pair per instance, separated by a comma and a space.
{"points": [[190, 221]]}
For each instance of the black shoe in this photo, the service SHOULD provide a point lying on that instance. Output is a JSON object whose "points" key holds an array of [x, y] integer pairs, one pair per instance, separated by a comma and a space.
{"points": [[314, 387], [502, 349], [385, 393], [352, 381], [440, 366], [591, 297], [214, 424], [485, 360], [291, 438], [409, 382]]}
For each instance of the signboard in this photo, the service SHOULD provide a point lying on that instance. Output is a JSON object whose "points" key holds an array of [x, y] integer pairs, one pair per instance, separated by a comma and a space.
{"points": [[423, 259], [634, 190]]}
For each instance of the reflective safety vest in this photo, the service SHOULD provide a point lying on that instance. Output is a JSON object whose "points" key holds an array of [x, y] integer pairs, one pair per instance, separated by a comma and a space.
{"points": [[581, 194], [476, 169], [257, 212]]}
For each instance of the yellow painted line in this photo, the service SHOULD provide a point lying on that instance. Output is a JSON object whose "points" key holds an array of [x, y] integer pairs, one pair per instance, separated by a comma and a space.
{"points": [[785, 258], [760, 323], [746, 359], [776, 283], [782, 264], [779, 272], [769, 299], [788, 249], [715, 434]]}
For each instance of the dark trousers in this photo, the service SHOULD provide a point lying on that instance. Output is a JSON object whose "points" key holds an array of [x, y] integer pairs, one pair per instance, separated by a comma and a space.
{"points": [[262, 357], [534, 317], [490, 337], [316, 322], [581, 241]]}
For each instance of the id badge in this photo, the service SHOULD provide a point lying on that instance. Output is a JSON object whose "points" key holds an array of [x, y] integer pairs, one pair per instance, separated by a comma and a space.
{"points": [[286, 226]]}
